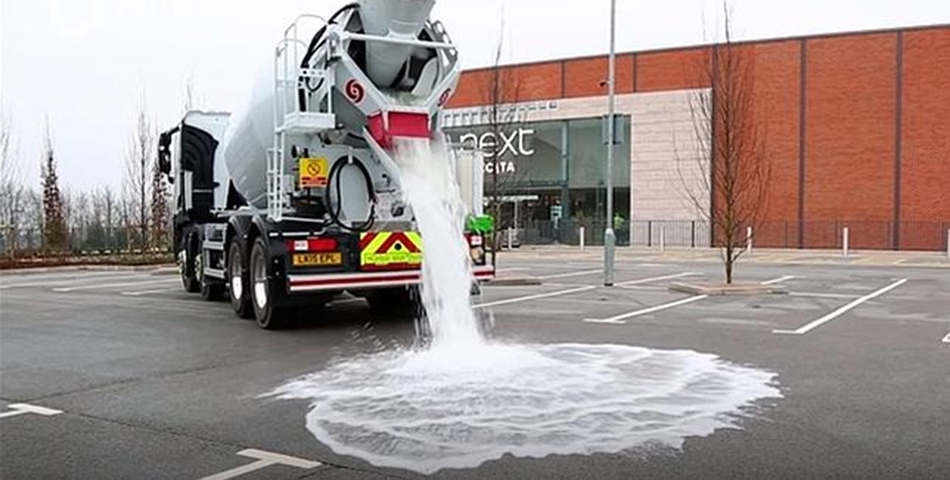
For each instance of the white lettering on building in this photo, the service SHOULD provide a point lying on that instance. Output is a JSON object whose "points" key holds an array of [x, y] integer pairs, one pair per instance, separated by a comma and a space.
{"points": [[514, 143]]}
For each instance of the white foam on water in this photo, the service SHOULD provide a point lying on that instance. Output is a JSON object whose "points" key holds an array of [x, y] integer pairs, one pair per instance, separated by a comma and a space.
{"points": [[463, 400]]}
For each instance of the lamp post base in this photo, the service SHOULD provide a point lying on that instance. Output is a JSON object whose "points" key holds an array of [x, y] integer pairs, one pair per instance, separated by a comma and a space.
{"points": [[610, 242]]}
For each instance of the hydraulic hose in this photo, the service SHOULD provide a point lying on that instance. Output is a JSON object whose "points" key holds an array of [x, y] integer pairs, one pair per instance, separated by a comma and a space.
{"points": [[334, 183], [315, 43]]}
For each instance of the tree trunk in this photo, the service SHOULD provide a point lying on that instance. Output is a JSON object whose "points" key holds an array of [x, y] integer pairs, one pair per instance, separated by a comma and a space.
{"points": [[728, 263]]}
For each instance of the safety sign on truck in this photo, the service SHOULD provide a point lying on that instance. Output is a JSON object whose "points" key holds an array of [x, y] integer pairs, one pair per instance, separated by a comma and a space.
{"points": [[390, 250], [313, 172]]}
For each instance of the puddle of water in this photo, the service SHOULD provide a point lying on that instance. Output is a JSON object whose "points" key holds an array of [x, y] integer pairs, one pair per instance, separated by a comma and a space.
{"points": [[460, 400], [426, 410]]}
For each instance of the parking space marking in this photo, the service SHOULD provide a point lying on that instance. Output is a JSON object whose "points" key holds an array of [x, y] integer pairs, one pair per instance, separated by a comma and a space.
{"points": [[264, 460], [841, 311], [577, 290], [535, 297], [113, 285], [571, 274], [147, 292], [654, 288], [25, 408], [656, 279], [67, 280], [621, 319], [824, 295], [779, 280]]}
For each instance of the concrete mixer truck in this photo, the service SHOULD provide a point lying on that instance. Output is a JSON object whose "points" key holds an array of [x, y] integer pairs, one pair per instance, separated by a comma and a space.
{"points": [[298, 199]]}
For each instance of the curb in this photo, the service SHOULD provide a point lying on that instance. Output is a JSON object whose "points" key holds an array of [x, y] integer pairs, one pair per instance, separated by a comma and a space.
{"points": [[718, 290]]}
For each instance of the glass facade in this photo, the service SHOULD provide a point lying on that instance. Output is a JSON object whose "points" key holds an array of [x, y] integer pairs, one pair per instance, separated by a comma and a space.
{"points": [[552, 175]]}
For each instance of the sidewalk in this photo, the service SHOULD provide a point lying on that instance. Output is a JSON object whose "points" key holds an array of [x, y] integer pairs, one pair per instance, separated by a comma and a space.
{"points": [[881, 258]]}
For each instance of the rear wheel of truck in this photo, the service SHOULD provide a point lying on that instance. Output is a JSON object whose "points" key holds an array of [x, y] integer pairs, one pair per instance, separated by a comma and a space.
{"points": [[268, 316], [186, 263], [238, 282]]}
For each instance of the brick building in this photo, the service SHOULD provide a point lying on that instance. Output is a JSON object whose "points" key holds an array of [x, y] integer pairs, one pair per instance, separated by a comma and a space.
{"points": [[857, 127]]}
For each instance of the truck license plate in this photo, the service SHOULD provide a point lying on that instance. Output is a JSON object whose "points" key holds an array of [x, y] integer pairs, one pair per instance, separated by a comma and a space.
{"points": [[318, 259]]}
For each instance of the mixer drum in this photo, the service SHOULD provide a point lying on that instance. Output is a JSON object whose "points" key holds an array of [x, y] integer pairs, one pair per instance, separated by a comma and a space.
{"points": [[247, 141]]}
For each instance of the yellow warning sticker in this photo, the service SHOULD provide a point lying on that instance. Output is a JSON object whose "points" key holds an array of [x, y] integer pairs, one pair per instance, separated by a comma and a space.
{"points": [[390, 250], [313, 172]]}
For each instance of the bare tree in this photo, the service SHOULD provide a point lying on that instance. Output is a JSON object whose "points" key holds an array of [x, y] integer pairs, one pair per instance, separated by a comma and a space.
{"points": [[32, 222], [159, 209], [110, 216], [733, 196], [500, 97], [137, 182], [12, 191], [54, 221], [80, 219]]}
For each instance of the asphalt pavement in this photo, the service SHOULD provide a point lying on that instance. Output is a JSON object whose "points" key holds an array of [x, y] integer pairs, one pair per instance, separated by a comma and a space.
{"points": [[121, 374]]}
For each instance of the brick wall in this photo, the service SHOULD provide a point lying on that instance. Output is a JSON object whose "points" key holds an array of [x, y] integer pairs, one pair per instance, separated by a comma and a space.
{"points": [[849, 136], [925, 152], [671, 70], [866, 138], [776, 70]]}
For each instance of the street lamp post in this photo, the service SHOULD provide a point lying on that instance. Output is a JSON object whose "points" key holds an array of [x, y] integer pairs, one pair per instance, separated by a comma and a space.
{"points": [[610, 238]]}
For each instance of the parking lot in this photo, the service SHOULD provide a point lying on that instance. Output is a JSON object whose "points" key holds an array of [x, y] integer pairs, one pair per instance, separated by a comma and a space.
{"points": [[120, 374]]}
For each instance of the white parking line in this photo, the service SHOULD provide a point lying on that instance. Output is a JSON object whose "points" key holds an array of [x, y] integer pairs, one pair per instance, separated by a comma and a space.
{"points": [[66, 281], [535, 297], [576, 290], [824, 295], [656, 279], [24, 408], [946, 339], [264, 460], [571, 274], [655, 288], [778, 280], [841, 311], [621, 319], [147, 292], [113, 285]]}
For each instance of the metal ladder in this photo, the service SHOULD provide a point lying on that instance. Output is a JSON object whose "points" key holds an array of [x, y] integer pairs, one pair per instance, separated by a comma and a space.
{"points": [[289, 118]]}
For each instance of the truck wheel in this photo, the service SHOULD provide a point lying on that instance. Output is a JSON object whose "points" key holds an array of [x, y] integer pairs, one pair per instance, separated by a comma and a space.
{"points": [[186, 264], [237, 282], [212, 289], [268, 316]]}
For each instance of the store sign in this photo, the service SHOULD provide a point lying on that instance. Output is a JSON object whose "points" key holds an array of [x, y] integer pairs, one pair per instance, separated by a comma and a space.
{"points": [[513, 143]]}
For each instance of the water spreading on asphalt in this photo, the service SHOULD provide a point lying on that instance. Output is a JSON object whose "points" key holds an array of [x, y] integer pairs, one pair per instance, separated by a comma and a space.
{"points": [[461, 400]]}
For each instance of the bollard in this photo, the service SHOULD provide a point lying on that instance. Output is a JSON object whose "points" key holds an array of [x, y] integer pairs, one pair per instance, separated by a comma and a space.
{"points": [[511, 238], [662, 239], [845, 242], [581, 233], [748, 240]]}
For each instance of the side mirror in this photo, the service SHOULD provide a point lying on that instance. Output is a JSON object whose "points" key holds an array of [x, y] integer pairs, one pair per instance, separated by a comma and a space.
{"points": [[164, 153]]}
